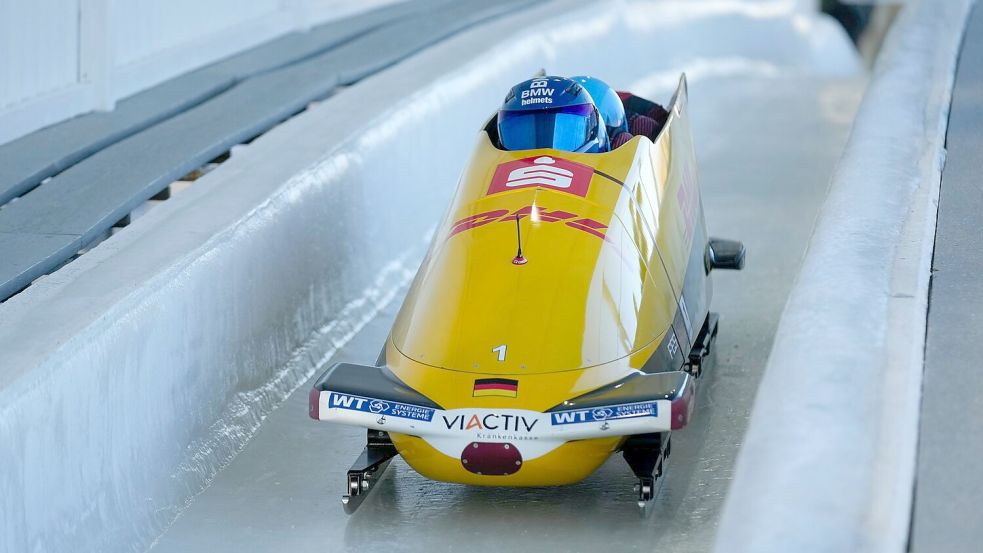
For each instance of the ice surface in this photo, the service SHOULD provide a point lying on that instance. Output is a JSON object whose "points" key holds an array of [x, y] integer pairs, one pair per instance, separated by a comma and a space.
{"points": [[134, 375], [828, 461], [281, 492]]}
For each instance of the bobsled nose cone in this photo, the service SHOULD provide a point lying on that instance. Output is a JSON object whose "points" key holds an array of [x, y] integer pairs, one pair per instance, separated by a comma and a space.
{"points": [[490, 459]]}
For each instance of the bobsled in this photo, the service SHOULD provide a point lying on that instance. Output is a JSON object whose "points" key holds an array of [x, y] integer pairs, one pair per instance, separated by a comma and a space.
{"points": [[561, 315]]}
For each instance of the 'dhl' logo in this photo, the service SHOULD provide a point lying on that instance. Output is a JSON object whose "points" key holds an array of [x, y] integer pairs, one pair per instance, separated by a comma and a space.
{"points": [[550, 172]]}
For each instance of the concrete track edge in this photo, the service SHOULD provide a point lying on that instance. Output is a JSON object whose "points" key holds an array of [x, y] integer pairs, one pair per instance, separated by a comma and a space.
{"points": [[828, 463]]}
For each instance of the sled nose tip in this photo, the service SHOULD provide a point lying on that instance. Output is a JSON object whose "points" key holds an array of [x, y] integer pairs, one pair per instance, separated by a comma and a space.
{"points": [[491, 459]]}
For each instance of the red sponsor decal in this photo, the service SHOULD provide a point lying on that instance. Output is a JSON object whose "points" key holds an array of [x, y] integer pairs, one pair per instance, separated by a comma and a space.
{"points": [[589, 226], [540, 214], [477, 220], [542, 171]]}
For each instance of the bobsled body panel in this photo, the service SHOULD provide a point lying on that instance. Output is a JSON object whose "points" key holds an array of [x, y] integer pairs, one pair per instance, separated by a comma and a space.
{"points": [[438, 434], [611, 242], [576, 303], [569, 463], [611, 296]]}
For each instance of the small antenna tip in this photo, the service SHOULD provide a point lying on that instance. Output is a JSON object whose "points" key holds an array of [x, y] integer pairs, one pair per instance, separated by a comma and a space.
{"points": [[518, 259]]}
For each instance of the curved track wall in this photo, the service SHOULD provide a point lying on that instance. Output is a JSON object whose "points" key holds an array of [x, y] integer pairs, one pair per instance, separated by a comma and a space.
{"points": [[830, 448]]}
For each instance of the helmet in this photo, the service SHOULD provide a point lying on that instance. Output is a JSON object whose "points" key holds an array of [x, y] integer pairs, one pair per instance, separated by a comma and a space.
{"points": [[551, 112], [608, 103]]}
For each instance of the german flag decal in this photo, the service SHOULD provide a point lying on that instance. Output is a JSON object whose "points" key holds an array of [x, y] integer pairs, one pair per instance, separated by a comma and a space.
{"points": [[503, 387]]}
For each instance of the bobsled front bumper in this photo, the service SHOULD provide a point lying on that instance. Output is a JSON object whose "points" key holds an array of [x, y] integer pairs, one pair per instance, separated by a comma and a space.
{"points": [[371, 397]]}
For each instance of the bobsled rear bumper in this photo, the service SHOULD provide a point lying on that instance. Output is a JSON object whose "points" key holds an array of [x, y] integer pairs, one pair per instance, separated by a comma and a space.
{"points": [[371, 397]]}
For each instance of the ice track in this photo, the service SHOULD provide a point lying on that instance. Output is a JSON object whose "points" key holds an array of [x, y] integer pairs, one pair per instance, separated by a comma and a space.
{"points": [[188, 337], [766, 145]]}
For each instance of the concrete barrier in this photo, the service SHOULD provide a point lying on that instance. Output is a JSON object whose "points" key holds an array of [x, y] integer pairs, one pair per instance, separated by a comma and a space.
{"points": [[828, 460], [132, 375]]}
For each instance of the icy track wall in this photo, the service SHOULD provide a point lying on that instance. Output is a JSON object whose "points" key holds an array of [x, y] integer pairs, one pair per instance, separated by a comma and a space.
{"points": [[831, 446], [132, 375]]}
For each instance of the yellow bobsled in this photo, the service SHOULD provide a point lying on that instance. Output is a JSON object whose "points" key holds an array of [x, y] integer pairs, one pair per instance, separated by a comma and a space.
{"points": [[560, 315]]}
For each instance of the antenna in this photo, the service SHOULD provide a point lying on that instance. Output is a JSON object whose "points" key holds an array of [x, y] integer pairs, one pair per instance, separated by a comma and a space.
{"points": [[518, 259]]}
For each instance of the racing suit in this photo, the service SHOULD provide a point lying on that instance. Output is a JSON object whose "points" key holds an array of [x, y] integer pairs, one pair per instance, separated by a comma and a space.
{"points": [[644, 118]]}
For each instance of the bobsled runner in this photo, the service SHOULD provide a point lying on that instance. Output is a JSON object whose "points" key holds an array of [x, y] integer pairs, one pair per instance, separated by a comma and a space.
{"points": [[560, 315]]}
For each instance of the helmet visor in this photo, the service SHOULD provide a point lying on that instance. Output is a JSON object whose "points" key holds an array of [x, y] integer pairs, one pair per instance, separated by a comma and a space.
{"points": [[566, 128]]}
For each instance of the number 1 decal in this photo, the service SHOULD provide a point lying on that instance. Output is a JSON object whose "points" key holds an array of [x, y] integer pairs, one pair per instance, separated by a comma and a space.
{"points": [[500, 350]]}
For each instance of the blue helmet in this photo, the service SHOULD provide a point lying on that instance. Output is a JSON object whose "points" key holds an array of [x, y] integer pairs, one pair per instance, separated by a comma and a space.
{"points": [[608, 103], [551, 112]]}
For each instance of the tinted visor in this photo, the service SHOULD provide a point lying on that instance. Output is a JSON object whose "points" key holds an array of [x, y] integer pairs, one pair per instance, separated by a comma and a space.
{"points": [[567, 128]]}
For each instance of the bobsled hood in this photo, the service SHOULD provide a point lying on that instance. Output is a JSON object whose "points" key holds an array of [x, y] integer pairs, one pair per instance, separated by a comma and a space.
{"points": [[574, 304]]}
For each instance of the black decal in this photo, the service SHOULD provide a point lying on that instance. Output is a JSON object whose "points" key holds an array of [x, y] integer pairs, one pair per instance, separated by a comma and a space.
{"points": [[488, 426], [507, 419], [451, 423], [528, 426]]}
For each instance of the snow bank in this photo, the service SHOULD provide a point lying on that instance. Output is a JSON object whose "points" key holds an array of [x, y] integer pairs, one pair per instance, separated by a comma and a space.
{"points": [[132, 375], [828, 460]]}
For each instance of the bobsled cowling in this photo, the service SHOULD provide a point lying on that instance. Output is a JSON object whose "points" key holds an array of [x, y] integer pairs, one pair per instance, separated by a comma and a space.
{"points": [[499, 373], [373, 398]]}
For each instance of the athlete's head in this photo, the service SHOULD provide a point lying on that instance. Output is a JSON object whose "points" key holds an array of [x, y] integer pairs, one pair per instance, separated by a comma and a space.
{"points": [[551, 112], [608, 104]]}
